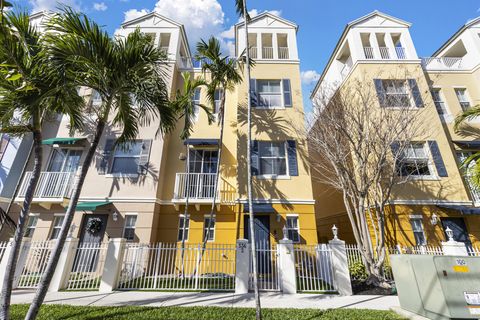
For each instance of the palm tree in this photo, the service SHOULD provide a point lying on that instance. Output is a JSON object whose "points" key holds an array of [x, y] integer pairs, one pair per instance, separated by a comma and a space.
{"points": [[241, 8], [224, 74], [30, 89], [186, 106], [126, 73], [471, 164]]}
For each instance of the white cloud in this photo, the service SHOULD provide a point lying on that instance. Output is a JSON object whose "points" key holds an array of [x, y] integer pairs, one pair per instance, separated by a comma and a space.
{"points": [[134, 13], [309, 77], [41, 5], [100, 6]]}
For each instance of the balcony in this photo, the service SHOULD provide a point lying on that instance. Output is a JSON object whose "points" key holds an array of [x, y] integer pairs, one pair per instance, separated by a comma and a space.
{"points": [[283, 53], [267, 53], [198, 187], [51, 187], [443, 63], [253, 52], [368, 51]]}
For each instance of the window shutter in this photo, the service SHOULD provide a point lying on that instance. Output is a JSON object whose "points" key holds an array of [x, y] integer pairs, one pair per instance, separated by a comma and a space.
{"points": [[254, 158], [292, 158], [437, 159], [380, 92], [106, 156], [287, 93], [253, 92], [417, 97], [144, 157]]}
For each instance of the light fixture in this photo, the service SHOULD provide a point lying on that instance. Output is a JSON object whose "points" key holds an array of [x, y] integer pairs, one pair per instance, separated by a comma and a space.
{"points": [[285, 235], [335, 232], [449, 233], [182, 156], [434, 219], [115, 215]]}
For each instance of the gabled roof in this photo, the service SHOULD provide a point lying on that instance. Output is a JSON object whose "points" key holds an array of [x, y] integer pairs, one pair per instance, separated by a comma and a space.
{"points": [[456, 34], [270, 15], [148, 16], [344, 35]]}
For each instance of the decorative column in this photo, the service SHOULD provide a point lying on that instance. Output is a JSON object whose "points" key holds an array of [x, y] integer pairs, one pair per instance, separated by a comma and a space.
{"points": [[113, 265], [64, 266], [452, 247], [287, 264], [340, 264], [242, 267]]}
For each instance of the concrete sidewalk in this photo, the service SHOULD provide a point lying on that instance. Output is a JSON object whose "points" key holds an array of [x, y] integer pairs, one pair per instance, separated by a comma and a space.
{"points": [[189, 299]]}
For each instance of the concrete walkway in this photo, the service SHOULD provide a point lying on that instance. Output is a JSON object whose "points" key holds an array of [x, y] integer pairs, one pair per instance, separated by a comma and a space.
{"points": [[188, 299]]}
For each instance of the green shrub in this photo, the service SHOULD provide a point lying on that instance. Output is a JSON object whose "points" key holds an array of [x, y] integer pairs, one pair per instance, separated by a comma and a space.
{"points": [[358, 271]]}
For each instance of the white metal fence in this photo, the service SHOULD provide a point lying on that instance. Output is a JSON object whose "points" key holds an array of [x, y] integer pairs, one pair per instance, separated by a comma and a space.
{"points": [[354, 257], [3, 247], [88, 266], [314, 268], [267, 268], [37, 255], [473, 251], [168, 266]]}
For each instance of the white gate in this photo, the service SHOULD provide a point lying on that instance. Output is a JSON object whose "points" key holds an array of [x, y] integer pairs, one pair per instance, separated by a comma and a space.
{"points": [[37, 255], [314, 268], [88, 266], [168, 266], [267, 269]]}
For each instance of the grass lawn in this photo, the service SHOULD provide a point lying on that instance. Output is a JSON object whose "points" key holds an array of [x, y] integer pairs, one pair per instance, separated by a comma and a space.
{"points": [[53, 312]]}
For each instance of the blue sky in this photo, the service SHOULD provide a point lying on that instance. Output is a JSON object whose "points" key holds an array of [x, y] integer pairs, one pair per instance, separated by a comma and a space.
{"points": [[321, 21]]}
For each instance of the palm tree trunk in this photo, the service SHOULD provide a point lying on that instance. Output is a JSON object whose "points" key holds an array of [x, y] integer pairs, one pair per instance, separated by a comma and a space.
{"points": [[18, 236], [258, 309], [57, 250]]}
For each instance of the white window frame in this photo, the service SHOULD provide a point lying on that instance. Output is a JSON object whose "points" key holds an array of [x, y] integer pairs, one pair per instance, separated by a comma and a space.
{"points": [[407, 91], [121, 174], [418, 218], [216, 103], [187, 229], [428, 157], [56, 148], [54, 226], [275, 176], [196, 102], [441, 100], [125, 227], [27, 227], [212, 229], [293, 215], [466, 97], [282, 103]]}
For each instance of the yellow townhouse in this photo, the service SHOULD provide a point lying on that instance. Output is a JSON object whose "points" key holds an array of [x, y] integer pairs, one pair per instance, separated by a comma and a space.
{"points": [[378, 50]]}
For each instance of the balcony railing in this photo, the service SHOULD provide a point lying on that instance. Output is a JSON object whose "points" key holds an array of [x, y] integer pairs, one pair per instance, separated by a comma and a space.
{"points": [[443, 63], [57, 185], [164, 49], [283, 53], [267, 53], [253, 52], [197, 186], [368, 51], [384, 53], [400, 53]]}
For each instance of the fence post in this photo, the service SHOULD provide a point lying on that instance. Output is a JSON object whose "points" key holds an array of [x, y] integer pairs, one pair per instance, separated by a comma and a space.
{"points": [[340, 266], [64, 266], [113, 265], [242, 266], [454, 248], [287, 266]]}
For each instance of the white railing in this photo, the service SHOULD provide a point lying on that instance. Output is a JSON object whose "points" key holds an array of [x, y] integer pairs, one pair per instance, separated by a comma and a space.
{"points": [[384, 53], [50, 185], [368, 51], [267, 53], [3, 247], [164, 49], [195, 185], [253, 52], [88, 266], [473, 251], [168, 266], [268, 268], [37, 255], [443, 63], [314, 268], [401, 54], [283, 53]]}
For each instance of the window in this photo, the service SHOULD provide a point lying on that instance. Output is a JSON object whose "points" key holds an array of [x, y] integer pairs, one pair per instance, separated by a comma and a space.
{"points": [[463, 98], [64, 160], [129, 228], [468, 173], [196, 101], [272, 157], [4, 140], [209, 229], [126, 157], [183, 224], [218, 100], [415, 161], [31, 224], [293, 231], [57, 225], [269, 93], [439, 103], [418, 233], [397, 94], [203, 161]]}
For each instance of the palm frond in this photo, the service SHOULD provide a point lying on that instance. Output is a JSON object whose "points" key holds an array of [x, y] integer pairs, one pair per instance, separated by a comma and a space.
{"points": [[469, 114]]}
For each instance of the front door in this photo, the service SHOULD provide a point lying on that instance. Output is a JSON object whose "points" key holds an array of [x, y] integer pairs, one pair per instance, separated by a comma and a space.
{"points": [[90, 233], [262, 240], [91, 237], [457, 225]]}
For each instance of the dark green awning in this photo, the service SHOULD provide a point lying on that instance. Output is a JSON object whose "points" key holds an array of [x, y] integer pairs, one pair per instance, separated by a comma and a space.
{"points": [[61, 141], [461, 209], [90, 206], [260, 208]]}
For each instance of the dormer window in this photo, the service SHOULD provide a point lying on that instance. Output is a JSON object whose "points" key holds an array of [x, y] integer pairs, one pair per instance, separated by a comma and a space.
{"points": [[164, 42]]}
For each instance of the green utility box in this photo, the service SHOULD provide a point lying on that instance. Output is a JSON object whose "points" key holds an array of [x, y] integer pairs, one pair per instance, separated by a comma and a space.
{"points": [[438, 287]]}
